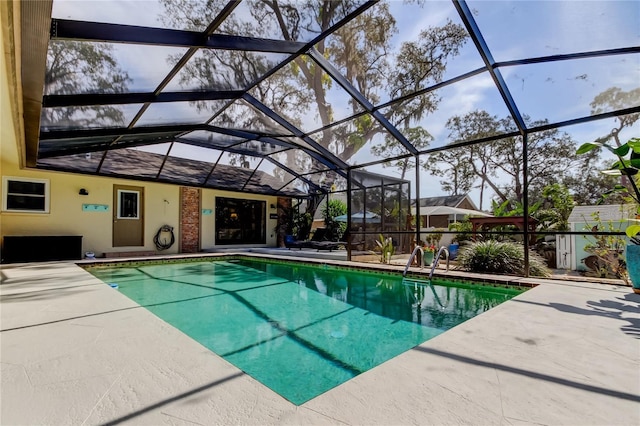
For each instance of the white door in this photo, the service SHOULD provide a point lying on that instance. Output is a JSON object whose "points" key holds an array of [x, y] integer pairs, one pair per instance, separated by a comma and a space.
{"points": [[563, 251]]}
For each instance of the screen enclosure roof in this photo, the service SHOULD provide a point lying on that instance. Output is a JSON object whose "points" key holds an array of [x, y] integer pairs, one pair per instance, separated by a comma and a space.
{"points": [[285, 98]]}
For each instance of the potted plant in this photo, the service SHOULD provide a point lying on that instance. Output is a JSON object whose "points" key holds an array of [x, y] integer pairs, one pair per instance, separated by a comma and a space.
{"points": [[627, 164], [428, 251], [433, 238]]}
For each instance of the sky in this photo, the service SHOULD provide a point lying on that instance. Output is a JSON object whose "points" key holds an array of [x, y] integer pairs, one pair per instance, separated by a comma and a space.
{"points": [[513, 30]]}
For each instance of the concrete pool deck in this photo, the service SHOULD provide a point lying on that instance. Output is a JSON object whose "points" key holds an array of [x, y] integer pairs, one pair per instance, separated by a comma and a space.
{"points": [[75, 351]]}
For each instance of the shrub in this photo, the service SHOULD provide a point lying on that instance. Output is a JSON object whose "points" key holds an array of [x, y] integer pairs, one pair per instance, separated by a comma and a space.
{"points": [[301, 225], [463, 230], [334, 229], [500, 258]]}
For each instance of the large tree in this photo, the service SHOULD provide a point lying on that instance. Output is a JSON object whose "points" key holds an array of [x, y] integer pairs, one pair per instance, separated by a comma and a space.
{"points": [[76, 67], [613, 99], [391, 148], [457, 172], [300, 91], [498, 164], [587, 182], [422, 63], [462, 168]]}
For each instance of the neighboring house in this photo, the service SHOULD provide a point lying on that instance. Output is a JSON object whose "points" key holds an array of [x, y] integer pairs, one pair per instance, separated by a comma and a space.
{"points": [[439, 212], [570, 249]]}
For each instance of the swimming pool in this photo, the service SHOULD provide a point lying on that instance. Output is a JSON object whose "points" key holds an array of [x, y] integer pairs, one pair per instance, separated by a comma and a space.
{"points": [[298, 329]]}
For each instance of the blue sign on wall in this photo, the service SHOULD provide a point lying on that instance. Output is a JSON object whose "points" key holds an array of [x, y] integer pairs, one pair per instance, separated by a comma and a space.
{"points": [[95, 208]]}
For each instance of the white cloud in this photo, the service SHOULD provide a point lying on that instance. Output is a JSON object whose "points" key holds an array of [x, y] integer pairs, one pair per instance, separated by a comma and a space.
{"points": [[412, 18], [139, 12]]}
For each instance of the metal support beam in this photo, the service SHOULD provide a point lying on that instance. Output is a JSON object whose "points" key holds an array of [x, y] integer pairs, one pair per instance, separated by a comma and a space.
{"points": [[174, 129], [474, 32], [349, 189], [49, 101], [253, 173], [313, 154], [213, 168], [569, 56], [295, 131], [231, 149], [434, 87], [353, 92], [588, 119], [211, 28], [167, 181], [64, 29], [525, 201], [118, 131], [292, 172], [418, 224]]}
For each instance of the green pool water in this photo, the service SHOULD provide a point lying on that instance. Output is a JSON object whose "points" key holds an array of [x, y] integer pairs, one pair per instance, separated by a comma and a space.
{"points": [[299, 330]]}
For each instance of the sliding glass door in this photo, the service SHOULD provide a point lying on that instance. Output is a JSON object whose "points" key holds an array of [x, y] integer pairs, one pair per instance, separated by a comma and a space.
{"points": [[240, 221]]}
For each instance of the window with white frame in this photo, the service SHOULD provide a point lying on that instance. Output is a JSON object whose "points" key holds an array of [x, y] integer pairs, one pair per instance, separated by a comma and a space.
{"points": [[128, 204], [25, 195]]}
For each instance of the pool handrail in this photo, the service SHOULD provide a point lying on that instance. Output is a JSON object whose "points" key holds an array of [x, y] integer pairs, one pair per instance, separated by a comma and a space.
{"points": [[413, 255], [436, 259]]}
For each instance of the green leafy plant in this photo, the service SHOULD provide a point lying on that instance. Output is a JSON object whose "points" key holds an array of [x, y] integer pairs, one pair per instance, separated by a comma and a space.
{"points": [[606, 252], [508, 208], [301, 225], [433, 238], [627, 164], [556, 207], [463, 230], [334, 229], [386, 248], [500, 257]]}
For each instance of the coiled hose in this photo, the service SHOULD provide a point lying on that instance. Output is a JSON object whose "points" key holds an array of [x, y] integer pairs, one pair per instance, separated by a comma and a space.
{"points": [[163, 244]]}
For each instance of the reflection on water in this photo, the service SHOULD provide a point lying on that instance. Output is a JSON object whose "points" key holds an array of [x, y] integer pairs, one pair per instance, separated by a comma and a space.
{"points": [[441, 305]]}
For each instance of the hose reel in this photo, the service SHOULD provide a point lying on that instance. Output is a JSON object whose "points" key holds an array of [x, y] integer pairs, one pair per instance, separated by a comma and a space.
{"points": [[164, 237]]}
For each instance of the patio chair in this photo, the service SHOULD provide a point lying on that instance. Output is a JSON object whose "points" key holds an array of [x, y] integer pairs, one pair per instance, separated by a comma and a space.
{"points": [[327, 245], [350, 244], [318, 242], [290, 242], [321, 242]]}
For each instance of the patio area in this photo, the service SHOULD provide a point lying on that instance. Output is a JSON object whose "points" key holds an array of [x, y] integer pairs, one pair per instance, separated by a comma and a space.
{"points": [[75, 351]]}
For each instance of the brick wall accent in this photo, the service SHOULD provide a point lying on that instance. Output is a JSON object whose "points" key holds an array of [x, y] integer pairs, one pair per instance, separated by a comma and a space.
{"points": [[284, 209], [189, 219]]}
